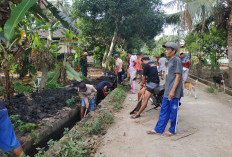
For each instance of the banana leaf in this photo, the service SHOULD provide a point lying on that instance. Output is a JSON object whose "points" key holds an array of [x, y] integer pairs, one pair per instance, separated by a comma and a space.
{"points": [[17, 14], [64, 19], [54, 77], [72, 74]]}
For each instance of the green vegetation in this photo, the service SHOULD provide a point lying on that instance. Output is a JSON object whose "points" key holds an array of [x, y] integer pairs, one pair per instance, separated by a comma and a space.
{"points": [[70, 101], [210, 90], [21, 126], [20, 87]]}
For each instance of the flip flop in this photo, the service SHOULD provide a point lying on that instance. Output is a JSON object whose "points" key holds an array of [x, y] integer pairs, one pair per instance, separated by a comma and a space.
{"points": [[168, 134], [135, 116], [152, 132]]}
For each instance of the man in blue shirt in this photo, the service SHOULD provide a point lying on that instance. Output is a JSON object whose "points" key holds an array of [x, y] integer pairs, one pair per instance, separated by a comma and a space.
{"points": [[8, 140], [101, 90]]}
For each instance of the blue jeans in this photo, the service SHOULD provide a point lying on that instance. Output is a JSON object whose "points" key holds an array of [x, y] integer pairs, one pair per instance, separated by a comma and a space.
{"points": [[91, 103], [169, 109]]}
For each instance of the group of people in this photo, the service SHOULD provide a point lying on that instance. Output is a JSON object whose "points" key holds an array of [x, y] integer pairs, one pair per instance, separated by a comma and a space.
{"points": [[174, 72]]}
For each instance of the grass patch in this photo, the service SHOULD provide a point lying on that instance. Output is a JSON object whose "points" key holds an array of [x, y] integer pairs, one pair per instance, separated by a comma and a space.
{"points": [[210, 90], [70, 101], [21, 88]]}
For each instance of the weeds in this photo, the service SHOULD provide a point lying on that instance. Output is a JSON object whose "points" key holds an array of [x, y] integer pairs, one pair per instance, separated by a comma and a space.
{"points": [[70, 102], [210, 90], [117, 107], [20, 88], [17, 123]]}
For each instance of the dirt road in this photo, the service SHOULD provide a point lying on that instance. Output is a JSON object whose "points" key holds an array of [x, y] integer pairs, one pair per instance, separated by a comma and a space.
{"points": [[204, 130]]}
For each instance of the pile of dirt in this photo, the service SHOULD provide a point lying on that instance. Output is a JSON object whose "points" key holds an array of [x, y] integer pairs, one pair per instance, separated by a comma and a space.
{"points": [[32, 108]]}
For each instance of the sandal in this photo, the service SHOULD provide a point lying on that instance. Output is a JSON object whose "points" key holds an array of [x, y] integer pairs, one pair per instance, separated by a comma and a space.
{"points": [[152, 132], [135, 116], [168, 134]]}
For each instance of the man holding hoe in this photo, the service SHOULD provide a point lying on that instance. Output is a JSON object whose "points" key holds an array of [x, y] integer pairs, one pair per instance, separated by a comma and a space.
{"points": [[172, 94]]}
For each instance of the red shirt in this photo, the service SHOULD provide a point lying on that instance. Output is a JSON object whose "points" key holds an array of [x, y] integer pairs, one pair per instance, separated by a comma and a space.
{"points": [[187, 64]]}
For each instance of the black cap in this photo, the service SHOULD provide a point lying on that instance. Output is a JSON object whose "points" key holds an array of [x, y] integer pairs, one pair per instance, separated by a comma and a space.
{"points": [[82, 87], [129, 51]]}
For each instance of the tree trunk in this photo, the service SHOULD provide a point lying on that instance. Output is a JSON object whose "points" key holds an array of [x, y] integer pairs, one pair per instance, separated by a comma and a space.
{"points": [[229, 44], [113, 42], [8, 89], [43, 82], [104, 57]]}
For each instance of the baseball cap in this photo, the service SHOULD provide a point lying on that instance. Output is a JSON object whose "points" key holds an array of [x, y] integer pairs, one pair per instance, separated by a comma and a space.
{"points": [[86, 54], [82, 87], [171, 45], [116, 55]]}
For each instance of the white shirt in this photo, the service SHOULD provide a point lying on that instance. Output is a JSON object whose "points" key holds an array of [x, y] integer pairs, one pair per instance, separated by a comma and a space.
{"points": [[163, 62]]}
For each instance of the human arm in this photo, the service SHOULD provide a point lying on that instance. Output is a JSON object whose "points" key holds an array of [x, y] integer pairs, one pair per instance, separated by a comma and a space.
{"points": [[93, 92], [143, 81], [85, 97]]}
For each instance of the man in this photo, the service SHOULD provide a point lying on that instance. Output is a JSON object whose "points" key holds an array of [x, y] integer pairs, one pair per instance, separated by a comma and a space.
{"points": [[102, 87], [132, 70], [172, 94], [181, 56], [139, 67], [83, 64], [150, 73], [118, 68], [8, 140], [162, 63], [87, 93]]}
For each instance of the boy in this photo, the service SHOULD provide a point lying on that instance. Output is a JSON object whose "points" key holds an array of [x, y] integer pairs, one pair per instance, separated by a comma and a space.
{"points": [[172, 94], [87, 93]]}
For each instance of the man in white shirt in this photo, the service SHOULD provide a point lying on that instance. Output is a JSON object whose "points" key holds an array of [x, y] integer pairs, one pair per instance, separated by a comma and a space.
{"points": [[118, 68], [162, 62]]}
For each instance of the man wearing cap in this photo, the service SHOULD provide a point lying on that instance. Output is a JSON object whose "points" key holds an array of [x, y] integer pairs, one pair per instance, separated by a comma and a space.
{"points": [[132, 70], [172, 94], [83, 64], [87, 93], [118, 68]]}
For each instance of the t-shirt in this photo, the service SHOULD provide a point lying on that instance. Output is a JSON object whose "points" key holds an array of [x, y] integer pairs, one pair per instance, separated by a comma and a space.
{"points": [[174, 66], [162, 62], [151, 72], [187, 64], [119, 64], [83, 62], [132, 64], [139, 65], [102, 84]]}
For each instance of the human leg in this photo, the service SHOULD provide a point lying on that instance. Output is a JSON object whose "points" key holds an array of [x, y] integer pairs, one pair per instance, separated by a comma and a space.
{"points": [[163, 116], [85, 71], [82, 108], [133, 73], [91, 104], [147, 95], [100, 96], [185, 74], [120, 77], [174, 105], [19, 151], [141, 93]]}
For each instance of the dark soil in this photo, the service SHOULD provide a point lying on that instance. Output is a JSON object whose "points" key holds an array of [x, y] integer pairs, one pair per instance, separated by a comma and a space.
{"points": [[34, 107]]}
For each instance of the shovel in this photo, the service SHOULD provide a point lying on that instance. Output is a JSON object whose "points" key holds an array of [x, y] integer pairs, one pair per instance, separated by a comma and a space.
{"points": [[138, 104]]}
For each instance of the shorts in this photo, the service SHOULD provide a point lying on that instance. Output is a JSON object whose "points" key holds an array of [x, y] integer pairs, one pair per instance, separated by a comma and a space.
{"points": [[91, 103], [151, 86], [139, 72], [8, 140], [162, 69]]}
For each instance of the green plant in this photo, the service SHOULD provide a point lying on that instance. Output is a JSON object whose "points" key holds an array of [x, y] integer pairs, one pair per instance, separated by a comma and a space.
{"points": [[70, 101], [117, 107], [20, 88], [210, 90]]}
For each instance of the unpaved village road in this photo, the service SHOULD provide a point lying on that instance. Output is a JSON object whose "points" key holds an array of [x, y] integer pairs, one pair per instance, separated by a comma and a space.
{"points": [[204, 130]]}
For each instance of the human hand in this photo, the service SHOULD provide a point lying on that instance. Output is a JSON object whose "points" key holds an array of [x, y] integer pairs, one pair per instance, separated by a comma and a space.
{"points": [[87, 106], [171, 95]]}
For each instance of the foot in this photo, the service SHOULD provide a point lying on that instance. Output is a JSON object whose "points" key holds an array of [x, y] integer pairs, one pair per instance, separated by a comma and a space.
{"points": [[131, 92], [135, 116], [152, 132], [168, 134]]}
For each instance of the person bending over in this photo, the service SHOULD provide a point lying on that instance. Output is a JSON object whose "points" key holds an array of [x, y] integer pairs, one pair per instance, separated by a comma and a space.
{"points": [[172, 94], [150, 73], [87, 93], [102, 87]]}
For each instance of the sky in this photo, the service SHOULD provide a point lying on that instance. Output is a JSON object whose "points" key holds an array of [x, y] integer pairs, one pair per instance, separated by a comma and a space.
{"points": [[168, 30]]}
